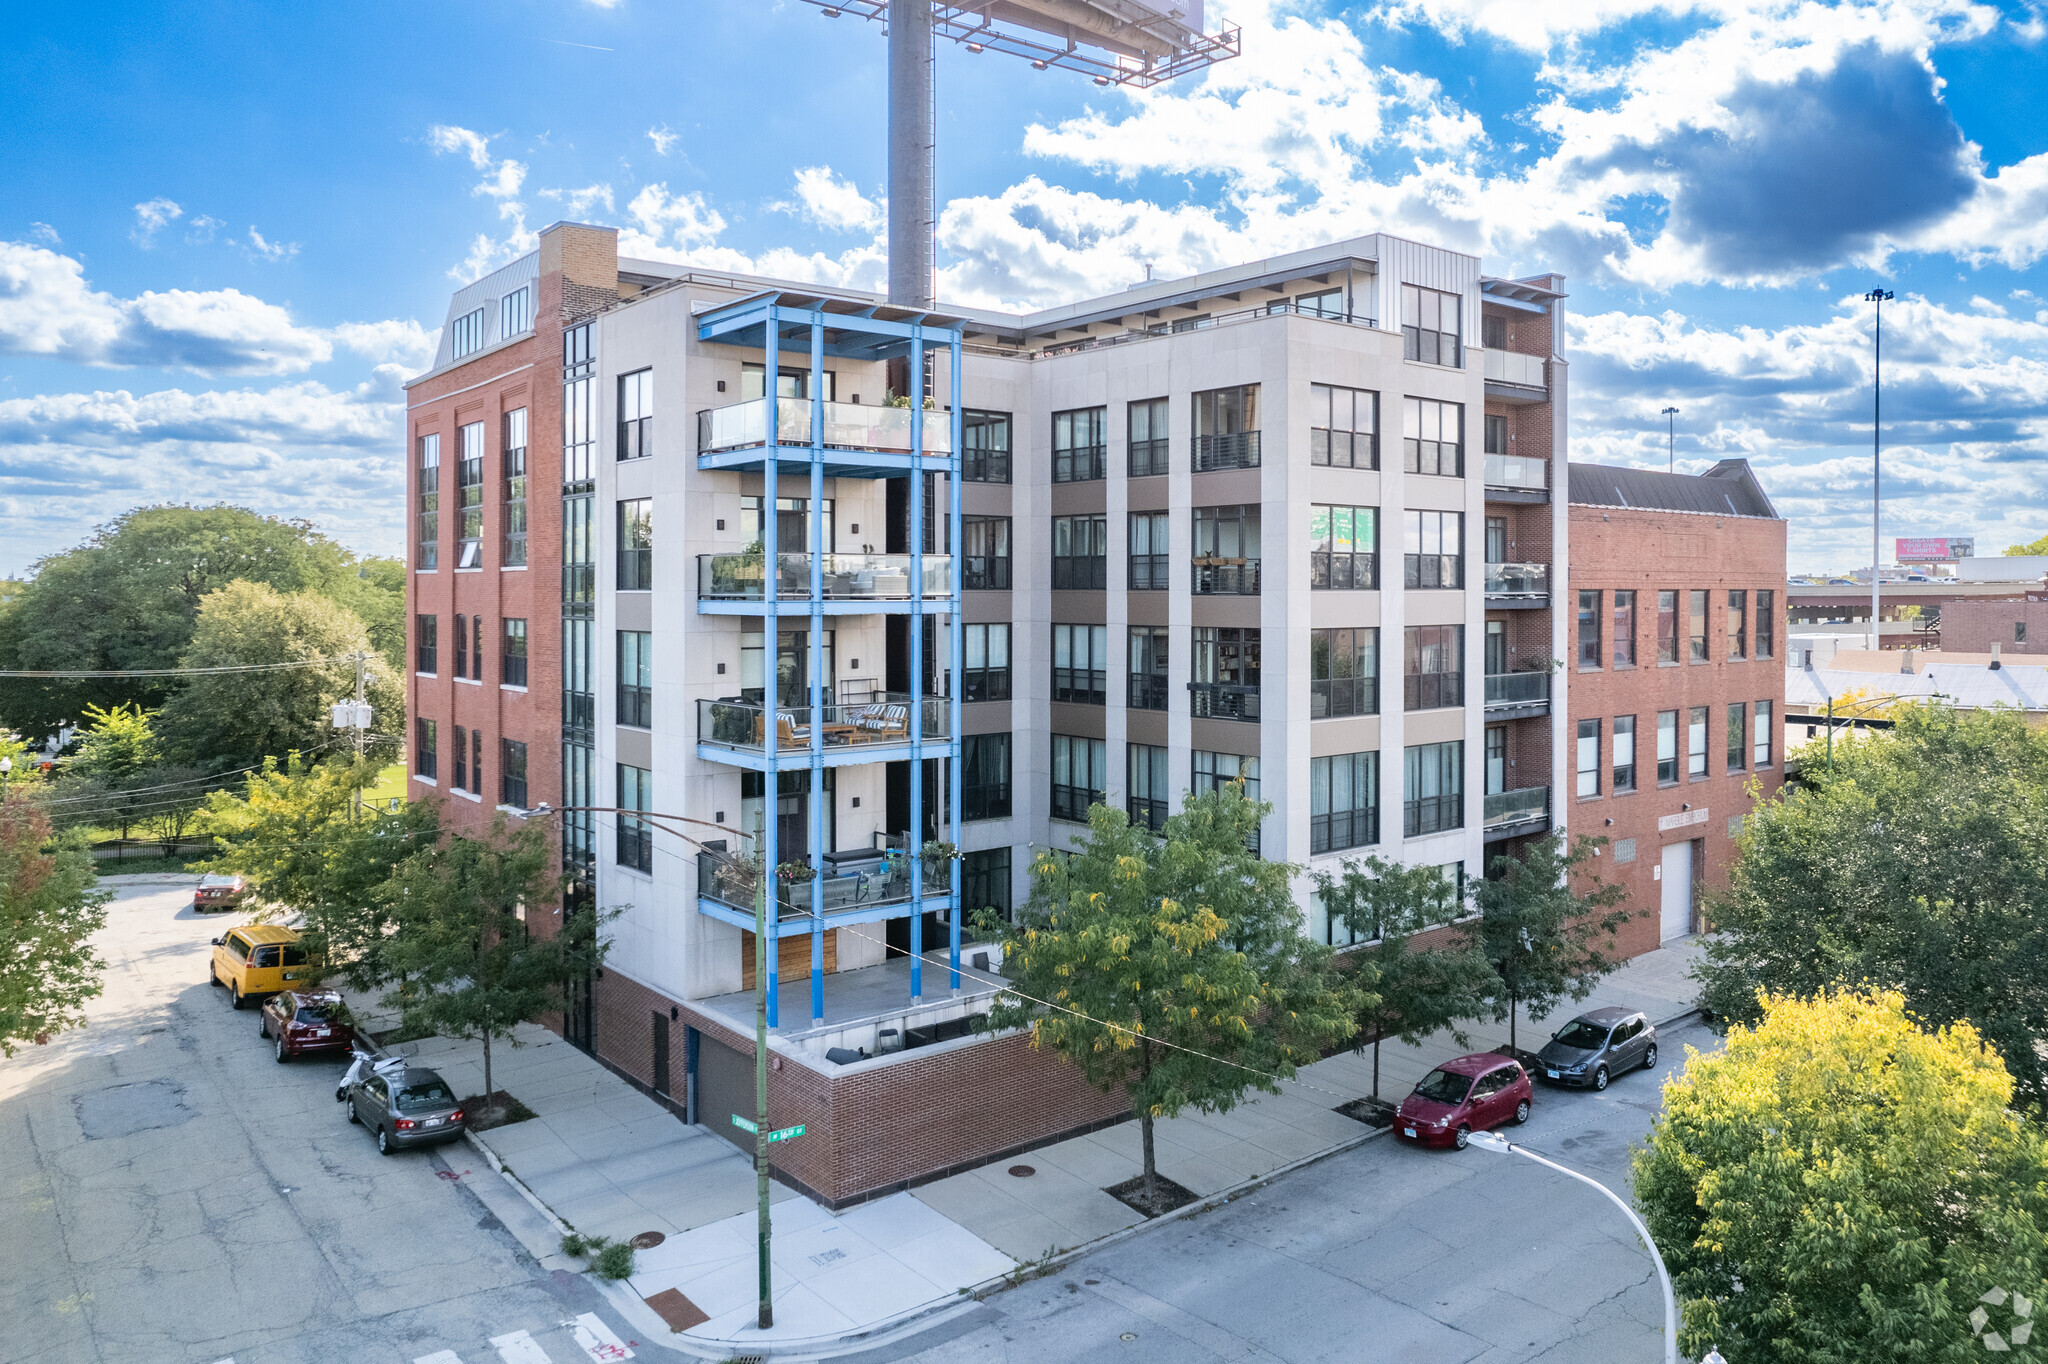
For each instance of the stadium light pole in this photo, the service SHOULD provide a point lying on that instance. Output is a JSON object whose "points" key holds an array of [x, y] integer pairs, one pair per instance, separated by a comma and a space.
{"points": [[1670, 440], [1879, 297]]}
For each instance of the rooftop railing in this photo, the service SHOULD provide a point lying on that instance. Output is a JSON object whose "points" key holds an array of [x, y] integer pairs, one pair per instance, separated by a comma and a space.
{"points": [[743, 725], [848, 426], [847, 577]]}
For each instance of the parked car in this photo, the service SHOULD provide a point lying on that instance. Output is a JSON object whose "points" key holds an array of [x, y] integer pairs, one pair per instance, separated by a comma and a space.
{"points": [[256, 960], [410, 1108], [1464, 1095], [219, 891], [305, 1021], [1597, 1046]]}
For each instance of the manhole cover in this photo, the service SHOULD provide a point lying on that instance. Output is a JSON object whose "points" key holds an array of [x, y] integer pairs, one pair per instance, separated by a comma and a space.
{"points": [[1023, 1171], [124, 1110], [648, 1240]]}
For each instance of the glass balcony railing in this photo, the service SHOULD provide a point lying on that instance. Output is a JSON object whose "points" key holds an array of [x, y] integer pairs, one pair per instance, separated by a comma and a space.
{"points": [[848, 426], [1513, 807], [1506, 367], [1517, 471], [847, 577], [1516, 689], [1518, 580], [743, 726], [732, 881]]}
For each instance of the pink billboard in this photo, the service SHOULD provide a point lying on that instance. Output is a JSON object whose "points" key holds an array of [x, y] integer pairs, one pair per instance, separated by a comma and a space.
{"points": [[1944, 549]]}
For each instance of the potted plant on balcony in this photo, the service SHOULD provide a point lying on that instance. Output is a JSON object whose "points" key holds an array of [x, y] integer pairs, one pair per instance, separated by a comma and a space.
{"points": [[937, 854], [748, 566]]}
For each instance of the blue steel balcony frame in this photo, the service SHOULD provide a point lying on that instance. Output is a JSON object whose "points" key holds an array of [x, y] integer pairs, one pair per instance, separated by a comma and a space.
{"points": [[848, 329]]}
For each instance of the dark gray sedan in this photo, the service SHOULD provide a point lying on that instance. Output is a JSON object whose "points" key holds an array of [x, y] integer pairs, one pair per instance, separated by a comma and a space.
{"points": [[1597, 1046], [412, 1108]]}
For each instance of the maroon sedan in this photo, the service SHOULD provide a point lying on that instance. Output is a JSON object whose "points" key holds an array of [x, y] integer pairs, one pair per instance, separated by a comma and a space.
{"points": [[1462, 1096], [306, 1020]]}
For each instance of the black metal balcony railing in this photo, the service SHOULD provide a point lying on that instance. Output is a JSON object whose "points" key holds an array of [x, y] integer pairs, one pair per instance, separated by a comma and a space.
{"points": [[846, 577], [1433, 570], [742, 725], [1342, 829], [1433, 691], [1223, 701], [1231, 450], [1080, 463], [1233, 578], [1515, 807], [1072, 802], [1516, 689], [1147, 691], [1518, 580], [1433, 814], [1146, 814], [1148, 457], [1082, 686]]}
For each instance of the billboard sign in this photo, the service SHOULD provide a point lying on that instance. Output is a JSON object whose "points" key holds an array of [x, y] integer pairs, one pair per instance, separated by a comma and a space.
{"points": [[1935, 550]]}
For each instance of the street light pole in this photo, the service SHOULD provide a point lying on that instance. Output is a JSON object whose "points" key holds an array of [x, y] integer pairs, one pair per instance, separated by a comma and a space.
{"points": [[1879, 297], [1670, 440], [1499, 1145]]}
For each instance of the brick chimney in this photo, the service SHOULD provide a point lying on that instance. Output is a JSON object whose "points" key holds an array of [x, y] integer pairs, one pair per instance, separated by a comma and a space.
{"points": [[586, 260]]}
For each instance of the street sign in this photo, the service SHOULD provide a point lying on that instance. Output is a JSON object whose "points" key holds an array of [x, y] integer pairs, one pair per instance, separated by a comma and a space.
{"points": [[745, 1125], [785, 1133]]}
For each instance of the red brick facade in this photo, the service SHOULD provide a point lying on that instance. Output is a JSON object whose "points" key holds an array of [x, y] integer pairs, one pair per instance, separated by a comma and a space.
{"points": [[1972, 627]]}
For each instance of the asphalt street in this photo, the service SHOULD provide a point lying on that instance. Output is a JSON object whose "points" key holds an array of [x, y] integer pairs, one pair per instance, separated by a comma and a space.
{"points": [[176, 1195]]}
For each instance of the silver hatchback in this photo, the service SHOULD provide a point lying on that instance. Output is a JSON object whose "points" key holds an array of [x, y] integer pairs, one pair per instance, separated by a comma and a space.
{"points": [[411, 1108], [1597, 1046]]}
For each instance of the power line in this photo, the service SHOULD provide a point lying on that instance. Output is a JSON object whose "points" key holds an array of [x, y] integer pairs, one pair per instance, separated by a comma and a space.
{"points": [[81, 673], [173, 785]]}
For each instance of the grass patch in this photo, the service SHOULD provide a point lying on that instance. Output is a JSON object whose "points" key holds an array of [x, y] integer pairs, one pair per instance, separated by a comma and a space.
{"points": [[608, 1258], [499, 1110]]}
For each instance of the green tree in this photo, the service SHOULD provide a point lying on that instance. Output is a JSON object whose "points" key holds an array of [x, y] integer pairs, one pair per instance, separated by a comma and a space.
{"points": [[1919, 863], [50, 906], [129, 599], [467, 965], [1411, 990], [119, 776], [1546, 925], [1173, 967], [2039, 546], [228, 721], [1842, 1185]]}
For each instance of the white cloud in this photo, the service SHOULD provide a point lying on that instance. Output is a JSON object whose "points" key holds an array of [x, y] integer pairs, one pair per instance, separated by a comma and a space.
{"points": [[151, 217], [262, 249], [661, 220], [664, 141], [577, 203], [43, 232], [201, 229], [832, 203]]}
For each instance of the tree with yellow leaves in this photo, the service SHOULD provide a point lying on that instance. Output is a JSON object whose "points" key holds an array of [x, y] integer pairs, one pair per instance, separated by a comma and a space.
{"points": [[1175, 967]]}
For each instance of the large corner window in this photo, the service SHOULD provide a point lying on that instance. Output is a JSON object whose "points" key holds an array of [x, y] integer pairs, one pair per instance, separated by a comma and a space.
{"points": [[1227, 428], [1430, 326], [1343, 548], [1224, 678], [1344, 426], [1225, 550], [984, 447]]}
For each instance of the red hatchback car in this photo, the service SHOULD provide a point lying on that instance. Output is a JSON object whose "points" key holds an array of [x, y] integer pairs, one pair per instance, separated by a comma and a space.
{"points": [[306, 1020], [1462, 1096]]}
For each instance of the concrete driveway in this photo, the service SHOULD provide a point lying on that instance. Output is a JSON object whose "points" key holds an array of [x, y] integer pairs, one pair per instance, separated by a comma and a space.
{"points": [[173, 1194]]}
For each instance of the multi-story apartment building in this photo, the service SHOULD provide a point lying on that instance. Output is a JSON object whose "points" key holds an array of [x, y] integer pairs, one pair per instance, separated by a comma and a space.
{"points": [[1677, 679], [1291, 523]]}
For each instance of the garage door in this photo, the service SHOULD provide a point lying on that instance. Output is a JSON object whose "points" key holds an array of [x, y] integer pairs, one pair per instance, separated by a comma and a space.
{"points": [[725, 1086], [1677, 898]]}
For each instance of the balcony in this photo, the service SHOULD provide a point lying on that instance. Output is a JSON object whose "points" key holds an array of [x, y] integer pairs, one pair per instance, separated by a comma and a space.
{"points": [[1513, 814], [1516, 378], [852, 733], [1517, 478], [1518, 587], [1226, 578], [1231, 450], [848, 426], [1223, 701], [1516, 696], [852, 582], [869, 891]]}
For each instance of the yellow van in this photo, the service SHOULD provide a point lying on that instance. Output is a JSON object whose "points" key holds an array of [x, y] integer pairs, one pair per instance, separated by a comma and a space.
{"points": [[256, 960]]}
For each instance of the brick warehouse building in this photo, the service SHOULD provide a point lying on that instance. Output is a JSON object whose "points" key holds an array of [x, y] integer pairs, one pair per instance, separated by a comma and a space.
{"points": [[1676, 679]]}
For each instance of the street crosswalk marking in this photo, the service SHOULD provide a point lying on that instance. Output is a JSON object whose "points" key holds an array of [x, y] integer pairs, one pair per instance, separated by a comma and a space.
{"points": [[520, 1348], [440, 1357], [597, 1339]]}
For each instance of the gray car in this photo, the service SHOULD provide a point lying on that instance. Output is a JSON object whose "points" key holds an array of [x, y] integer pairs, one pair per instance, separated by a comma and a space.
{"points": [[1597, 1046], [413, 1108]]}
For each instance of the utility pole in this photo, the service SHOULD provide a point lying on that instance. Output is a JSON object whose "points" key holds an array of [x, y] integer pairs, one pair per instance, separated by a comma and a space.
{"points": [[361, 718], [1670, 415], [761, 1129], [1878, 297]]}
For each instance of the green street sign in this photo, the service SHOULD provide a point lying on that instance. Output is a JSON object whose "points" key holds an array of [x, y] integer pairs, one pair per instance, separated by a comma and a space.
{"points": [[745, 1125], [785, 1133]]}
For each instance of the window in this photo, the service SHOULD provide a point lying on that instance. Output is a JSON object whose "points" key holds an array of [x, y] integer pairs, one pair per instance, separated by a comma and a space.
{"points": [[1496, 435], [636, 837], [985, 453], [636, 679], [985, 776], [636, 545], [1434, 549], [1697, 620], [1493, 333], [428, 489], [1080, 657], [461, 646], [1433, 788], [1343, 802], [1214, 771], [1496, 660], [1767, 624], [1433, 437], [1667, 627], [512, 773], [1149, 571], [1227, 428], [476, 762], [985, 553], [515, 312], [1080, 553], [1738, 736], [514, 462], [1146, 686], [1589, 629], [1738, 624], [1624, 753], [1147, 798], [1696, 742], [512, 652], [467, 333], [1343, 548], [1667, 747], [1344, 425], [461, 758], [1224, 681], [1624, 628], [1326, 303], [1225, 551], [1589, 758], [636, 414], [985, 881], [1079, 448], [985, 669], [1145, 443], [469, 495], [476, 655], [426, 638], [793, 524], [1430, 330], [1435, 672], [424, 757], [1344, 672], [1495, 756], [1760, 752], [1496, 539], [789, 383], [1077, 776]]}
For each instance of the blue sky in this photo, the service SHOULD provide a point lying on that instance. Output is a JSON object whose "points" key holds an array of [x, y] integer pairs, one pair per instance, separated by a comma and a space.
{"points": [[228, 230]]}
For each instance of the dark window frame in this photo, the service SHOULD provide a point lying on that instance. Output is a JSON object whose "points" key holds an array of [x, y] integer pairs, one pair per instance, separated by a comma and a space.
{"points": [[1432, 688], [1148, 796], [1441, 765], [1145, 687], [1084, 459], [1357, 692], [1080, 682], [1223, 672], [636, 414], [1088, 572], [512, 773], [1426, 570], [1335, 440], [634, 655], [426, 756], [635, 544], [512, 651], [1334, 569], [1425, 449], [1226, 428], [985, 776], [1215, 572], [1152, 570], [1071, 799], [634, 837], [988, 570], [986, 680], [1424, 337], [426, 643], [1590, 654], [981, 461], [1355, 826], [1624, 773], [1147, 455]]}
